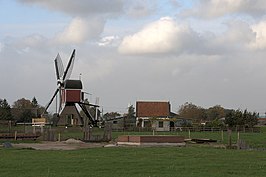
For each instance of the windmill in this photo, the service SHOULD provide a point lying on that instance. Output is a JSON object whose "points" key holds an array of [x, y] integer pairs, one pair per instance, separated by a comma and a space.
{"points": [[70, 95]]}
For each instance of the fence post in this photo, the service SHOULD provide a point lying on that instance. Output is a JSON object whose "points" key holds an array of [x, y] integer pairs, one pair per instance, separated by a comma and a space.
{"points": [[222, 134], [59, 137], [15, 135], [229, 138], [9, 126]]}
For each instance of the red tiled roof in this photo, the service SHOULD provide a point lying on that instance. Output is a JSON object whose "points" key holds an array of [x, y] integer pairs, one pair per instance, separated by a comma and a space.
{"points": [[152, 109]]}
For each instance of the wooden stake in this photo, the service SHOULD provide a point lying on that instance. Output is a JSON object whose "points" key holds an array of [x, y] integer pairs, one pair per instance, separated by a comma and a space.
{"points": [[15, 135], [230, 138], [59, 137]]}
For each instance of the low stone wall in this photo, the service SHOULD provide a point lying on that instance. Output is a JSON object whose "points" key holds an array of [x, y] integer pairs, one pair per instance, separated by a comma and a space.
{"points": [[150, 140]]}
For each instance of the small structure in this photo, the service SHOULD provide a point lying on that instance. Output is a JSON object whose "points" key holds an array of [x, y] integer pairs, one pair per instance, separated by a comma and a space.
{"points": [[151, 140], [118, 123], [38, 122], [155, 114]]}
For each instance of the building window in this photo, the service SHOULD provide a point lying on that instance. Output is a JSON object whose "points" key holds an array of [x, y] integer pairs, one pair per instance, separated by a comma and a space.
{"points": [[115, 122], [69, 119], [160, 124], [147, 123]]}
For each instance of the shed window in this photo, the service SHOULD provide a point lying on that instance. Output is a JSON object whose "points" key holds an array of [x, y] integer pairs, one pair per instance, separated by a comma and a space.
{"points": [[160, 124]]}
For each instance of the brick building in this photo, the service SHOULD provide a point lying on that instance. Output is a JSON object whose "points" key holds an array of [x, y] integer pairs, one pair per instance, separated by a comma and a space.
{"points": [[155, 114]]}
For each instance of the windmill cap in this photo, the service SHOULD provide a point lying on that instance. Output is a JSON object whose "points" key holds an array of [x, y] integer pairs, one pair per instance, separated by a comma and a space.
{"points": [[73, 84]]}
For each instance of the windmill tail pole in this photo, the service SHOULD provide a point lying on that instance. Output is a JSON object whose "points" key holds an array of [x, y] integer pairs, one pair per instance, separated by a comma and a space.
{"points": [[51, 100]]}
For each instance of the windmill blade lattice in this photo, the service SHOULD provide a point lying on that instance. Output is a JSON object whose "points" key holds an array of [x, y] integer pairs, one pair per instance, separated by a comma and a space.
{"points": [[59, 67], [69, 67]]}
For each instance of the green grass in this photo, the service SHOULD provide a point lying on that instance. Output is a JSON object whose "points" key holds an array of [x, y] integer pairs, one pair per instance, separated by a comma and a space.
{"points": [[137, 161], [190, 161], [256, 140]]}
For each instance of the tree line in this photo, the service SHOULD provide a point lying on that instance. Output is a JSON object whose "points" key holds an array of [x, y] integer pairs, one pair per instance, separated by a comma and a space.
{"points": [[22, 110], [217, 116]]}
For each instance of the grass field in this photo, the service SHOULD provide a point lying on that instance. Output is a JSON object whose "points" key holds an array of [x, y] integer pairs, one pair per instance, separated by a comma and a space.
{"points": [[137, 161], [256, 140], [190, 161]]}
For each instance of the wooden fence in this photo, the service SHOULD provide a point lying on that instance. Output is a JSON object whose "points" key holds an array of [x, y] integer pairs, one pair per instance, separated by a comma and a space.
{"points": [[191, 129]]}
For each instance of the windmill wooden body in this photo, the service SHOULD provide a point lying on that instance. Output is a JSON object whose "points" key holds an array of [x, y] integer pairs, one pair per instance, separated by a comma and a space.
{"points": [[70, 95]]}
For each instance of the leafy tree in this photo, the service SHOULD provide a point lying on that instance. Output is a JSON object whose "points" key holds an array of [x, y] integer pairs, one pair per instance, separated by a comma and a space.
{"points": [[192, 111], [38, 109], [130, 119], [241, 118], [5, 110], [25, 110], [215, 112], [229, 119], [26, 116], [34, 103], [215, 123], [233, 118], [251, 119], [22, 104]]}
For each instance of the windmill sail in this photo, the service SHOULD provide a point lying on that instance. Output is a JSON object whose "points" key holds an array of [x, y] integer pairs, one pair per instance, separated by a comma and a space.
{"points": [[69, 67], [59, 68]]}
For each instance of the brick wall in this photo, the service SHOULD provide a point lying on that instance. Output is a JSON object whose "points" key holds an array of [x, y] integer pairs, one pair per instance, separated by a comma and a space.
{"points": [[151, 139]]}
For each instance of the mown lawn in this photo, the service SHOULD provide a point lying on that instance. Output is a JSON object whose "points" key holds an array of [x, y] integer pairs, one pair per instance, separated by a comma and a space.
{"points": [[134, 161]]}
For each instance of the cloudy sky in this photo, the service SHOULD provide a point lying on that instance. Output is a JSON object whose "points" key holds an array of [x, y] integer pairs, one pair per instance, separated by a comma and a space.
{"points": [[207, 52]]}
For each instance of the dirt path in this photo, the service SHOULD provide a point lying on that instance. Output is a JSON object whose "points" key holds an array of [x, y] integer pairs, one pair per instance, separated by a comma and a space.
{"points": [[64, 145]]}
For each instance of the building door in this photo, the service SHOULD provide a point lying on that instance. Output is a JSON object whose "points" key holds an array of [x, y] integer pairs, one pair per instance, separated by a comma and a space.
{"points": [[69, 119], [172, 125]]}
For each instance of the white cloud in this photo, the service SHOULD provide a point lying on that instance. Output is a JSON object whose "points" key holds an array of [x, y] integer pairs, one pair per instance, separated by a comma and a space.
{"points": [[162, 36], [33, 40], [27, 44], [260, 39], [235, 39], [218, 8], [108, 41], [80, 30]]}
